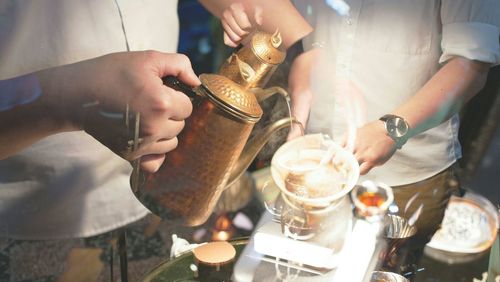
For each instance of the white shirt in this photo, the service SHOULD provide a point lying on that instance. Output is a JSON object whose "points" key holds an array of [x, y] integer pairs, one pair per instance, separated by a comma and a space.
{"points": [[382, 54], [69, 185]]}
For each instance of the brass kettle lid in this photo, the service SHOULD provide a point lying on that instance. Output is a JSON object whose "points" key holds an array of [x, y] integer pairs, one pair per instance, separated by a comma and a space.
{"points": [[268, 47], [232, 97]]}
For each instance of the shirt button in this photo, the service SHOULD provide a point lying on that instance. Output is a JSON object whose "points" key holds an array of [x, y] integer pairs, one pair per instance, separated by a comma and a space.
{"points": [[349, 21]]}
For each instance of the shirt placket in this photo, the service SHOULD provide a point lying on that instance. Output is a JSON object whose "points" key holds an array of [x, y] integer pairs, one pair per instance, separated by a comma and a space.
{"points": [[132, 23], [345, 42]]}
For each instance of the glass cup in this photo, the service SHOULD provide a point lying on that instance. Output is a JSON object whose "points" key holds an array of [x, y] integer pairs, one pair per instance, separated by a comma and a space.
{"points": [[371, 200]]}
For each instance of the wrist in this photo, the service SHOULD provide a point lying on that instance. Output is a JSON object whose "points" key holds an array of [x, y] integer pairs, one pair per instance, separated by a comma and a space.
{"points": [[397, 128], [58, 102]]}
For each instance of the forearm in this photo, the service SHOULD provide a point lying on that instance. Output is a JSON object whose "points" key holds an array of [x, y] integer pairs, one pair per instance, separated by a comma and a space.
{"points": [[444, 94], [276, 14], [24, 125], [299, 84], [35, 111]]}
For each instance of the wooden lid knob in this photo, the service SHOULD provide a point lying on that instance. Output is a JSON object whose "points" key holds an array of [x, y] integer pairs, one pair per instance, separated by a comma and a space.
{"points": [[215, 253]]}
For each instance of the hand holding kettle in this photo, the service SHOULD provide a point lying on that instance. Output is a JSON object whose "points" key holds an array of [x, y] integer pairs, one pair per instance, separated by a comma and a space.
{"points": [[93, 95]]}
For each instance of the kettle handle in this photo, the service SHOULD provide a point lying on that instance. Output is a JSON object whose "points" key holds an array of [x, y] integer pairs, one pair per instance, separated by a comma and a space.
{"points": [[137, 177], [176, 84]]}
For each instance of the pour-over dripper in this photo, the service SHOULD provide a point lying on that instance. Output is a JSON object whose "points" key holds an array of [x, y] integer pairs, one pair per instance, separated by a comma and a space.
{"points": [[296, 165]]}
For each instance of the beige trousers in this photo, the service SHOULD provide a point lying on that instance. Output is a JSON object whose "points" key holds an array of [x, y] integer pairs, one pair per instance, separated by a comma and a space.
{"points": [[433, 195]]}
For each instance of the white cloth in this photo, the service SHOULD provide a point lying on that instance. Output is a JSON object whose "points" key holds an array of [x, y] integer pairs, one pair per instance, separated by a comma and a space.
{"points": [[382, 54], [69, 185]]}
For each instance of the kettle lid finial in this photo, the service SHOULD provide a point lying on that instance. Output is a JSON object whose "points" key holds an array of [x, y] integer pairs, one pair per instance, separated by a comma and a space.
{"points": [[276, 39], [268, 47]]}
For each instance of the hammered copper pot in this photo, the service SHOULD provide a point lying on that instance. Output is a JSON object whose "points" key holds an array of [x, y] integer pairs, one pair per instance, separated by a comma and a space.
{"points": [[209, 154]]}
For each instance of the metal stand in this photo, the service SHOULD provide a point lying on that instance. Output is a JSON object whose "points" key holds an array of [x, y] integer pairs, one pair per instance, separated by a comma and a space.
{"points": [[122, 251], [111, 261]]}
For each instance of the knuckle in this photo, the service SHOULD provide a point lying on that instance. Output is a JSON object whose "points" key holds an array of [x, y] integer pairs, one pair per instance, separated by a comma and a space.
{"points": [[370, 161], [173, 104], [183, 58], [148, 129], [150, 54], [236, 7], [163, 106], [226, 14]]}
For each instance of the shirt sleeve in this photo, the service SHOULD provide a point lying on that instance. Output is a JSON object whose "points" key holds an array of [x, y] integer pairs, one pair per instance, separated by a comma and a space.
{"points": [[18, 91], [471, 30]]}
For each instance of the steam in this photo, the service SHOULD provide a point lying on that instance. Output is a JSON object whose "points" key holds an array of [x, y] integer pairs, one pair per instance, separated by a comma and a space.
{"points": [[414, 217], [339, 6], [350, 96], [410, 201]]}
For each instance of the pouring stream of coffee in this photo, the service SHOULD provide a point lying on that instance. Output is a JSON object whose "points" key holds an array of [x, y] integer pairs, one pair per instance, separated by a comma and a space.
{"points": [[328, 156]]}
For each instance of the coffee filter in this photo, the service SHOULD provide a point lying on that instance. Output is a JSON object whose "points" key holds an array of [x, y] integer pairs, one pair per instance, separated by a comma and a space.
{"points": [[313, 146]]}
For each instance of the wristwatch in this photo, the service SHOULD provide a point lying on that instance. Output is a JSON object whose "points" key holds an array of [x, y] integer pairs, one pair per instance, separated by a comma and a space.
{"points": [[397, 128]]}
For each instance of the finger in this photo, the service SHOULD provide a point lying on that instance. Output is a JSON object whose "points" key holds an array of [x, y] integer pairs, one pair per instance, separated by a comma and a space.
{"points": [[147, 151], [228, 41], [151, 163], [364, 168], [240, 16], [359, 158], [245, 40], [177, 65], [161, 132], [258, 15], [174, 105], [230, 33], [228, 17], [343, 141], [162, 146]]}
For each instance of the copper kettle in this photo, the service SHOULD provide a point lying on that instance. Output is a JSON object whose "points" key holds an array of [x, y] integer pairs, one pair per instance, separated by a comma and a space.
{"points": [[213, 150]]}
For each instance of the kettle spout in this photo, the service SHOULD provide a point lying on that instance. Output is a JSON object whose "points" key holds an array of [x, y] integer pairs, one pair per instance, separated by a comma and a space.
{"points": [[254, 145], [263, 94]]}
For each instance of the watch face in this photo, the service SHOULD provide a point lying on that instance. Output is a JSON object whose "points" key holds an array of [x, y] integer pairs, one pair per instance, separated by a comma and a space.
{"points": [[396, 127]]}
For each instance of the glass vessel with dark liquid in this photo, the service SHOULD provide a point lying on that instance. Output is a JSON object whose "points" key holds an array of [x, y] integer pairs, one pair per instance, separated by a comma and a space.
{"points": [[372, 200]]}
